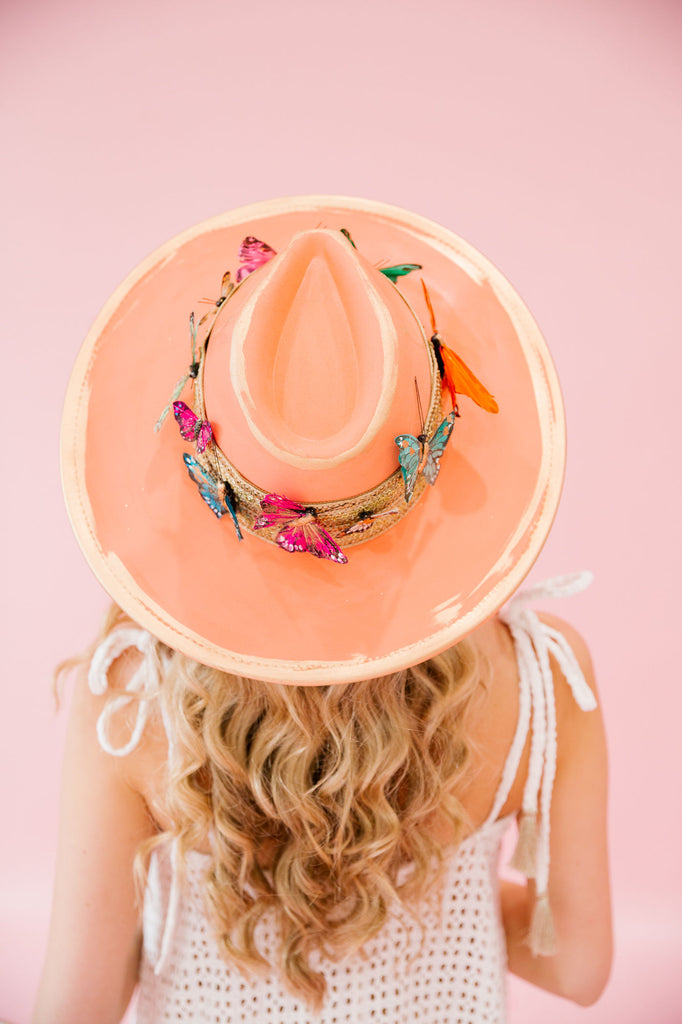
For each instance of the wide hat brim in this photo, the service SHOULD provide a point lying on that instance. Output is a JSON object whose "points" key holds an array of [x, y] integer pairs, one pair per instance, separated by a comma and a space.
{"points": [[251, 608]]}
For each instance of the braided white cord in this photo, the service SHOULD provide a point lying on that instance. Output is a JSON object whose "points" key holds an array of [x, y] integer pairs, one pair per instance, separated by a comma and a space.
{"points": [[530, 670], [111, 649], [511, 766], [558, 586], [143, 685], [536, 631], [534, 642], [559, 646]]}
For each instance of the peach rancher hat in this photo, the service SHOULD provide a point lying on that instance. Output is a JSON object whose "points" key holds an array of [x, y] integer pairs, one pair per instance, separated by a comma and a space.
{"points": [[334, 373]]}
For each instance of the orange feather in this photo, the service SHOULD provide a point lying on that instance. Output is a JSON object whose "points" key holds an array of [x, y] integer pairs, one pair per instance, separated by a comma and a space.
{"points": [[465, 381], [458, 377]]}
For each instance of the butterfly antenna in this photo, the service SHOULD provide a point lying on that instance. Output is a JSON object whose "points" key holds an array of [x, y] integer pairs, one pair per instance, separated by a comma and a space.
{"points": [[177, 391], [422, 425], [434, 329], [346, 232], [193, 335]]}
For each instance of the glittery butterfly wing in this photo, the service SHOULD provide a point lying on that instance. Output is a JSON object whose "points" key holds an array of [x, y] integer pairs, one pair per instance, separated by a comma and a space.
{"points": [[191, 427], [205, 436], [186, 420], [253, 254], [409, 456], [216, 493], [299, 531], [307, 535], [278, 511], [436, 447]]}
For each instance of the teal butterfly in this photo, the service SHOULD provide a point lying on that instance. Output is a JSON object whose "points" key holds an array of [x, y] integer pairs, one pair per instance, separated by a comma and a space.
{"points": [[217, 494], [422, 455]]}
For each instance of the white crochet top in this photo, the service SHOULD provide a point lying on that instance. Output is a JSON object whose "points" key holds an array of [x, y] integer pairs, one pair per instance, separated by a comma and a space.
{"points": [[447, 966]]}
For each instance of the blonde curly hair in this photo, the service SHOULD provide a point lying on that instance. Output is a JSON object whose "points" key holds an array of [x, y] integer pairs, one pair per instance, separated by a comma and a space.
{"points": [[312, 799]]}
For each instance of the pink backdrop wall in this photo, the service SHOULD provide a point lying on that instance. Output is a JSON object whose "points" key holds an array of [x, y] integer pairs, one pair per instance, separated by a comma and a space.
{"points": [[548, 135]]}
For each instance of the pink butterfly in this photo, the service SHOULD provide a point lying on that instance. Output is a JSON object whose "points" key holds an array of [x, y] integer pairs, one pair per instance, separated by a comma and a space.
{"points": [[299, 529], [253, 254], [191, 427]]}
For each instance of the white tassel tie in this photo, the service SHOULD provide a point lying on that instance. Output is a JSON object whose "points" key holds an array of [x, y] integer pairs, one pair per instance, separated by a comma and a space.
{"points": [[535, 642]]}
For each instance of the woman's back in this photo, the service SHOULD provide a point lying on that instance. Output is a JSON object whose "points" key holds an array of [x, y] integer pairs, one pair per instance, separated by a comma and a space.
{"points": [[419, 966], [452, 969], [496, 699]]}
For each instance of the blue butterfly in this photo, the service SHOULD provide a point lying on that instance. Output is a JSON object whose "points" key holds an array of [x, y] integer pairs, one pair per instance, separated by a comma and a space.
{"points": [[419, 455], [217, 494]]}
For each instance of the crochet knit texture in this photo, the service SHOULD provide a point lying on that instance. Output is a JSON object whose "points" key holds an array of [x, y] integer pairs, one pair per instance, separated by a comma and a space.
{"points": [[446, 965]]}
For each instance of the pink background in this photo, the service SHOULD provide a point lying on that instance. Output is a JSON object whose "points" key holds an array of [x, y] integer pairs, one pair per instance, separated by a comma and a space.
{"points": [[548, 135]]}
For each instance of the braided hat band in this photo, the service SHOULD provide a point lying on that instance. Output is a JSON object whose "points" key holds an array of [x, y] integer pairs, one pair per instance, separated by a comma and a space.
{"points": [[350, 521]]}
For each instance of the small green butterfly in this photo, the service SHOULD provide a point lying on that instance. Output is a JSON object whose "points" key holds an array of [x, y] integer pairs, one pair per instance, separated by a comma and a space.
{"points": [[392, 273]]}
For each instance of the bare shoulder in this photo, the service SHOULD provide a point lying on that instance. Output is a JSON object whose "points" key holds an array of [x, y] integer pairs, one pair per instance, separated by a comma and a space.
{"points": [[103, 820], [495, 711], [492, 722], [569, 715], [575, 640], [498, 694]]}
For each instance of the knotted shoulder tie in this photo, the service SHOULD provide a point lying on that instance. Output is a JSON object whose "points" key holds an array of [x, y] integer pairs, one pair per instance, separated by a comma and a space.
{"points": [[535, 642], [142, 687]]}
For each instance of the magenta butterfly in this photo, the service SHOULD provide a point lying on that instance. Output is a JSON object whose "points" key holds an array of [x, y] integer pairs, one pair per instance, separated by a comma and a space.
{"points": [[191, 427], [299, 529], [253, 254]]}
